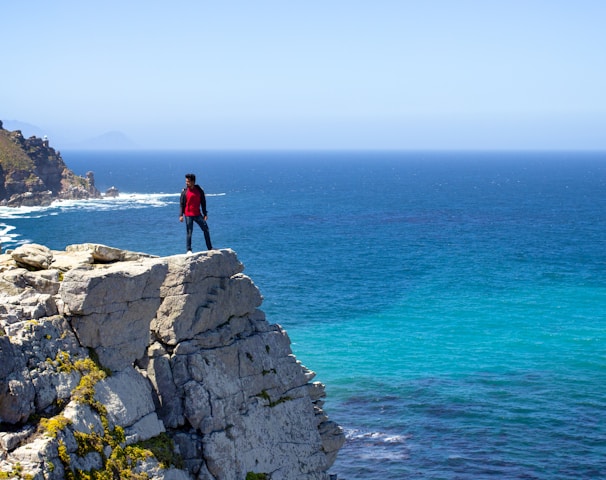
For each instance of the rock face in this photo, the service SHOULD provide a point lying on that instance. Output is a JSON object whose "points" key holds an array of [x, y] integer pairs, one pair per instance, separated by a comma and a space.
{"points": [[121, 364], [32, 173]]}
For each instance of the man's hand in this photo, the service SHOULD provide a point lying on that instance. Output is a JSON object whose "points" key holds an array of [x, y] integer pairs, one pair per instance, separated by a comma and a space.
{"points": [[181, 218]]}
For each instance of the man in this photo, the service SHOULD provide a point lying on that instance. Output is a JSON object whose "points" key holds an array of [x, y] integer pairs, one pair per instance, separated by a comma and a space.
{"points": [[192, 202]]}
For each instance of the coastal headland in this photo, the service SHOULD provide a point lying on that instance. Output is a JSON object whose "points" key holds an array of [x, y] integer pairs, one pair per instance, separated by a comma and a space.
{"points": [[32, 173]]}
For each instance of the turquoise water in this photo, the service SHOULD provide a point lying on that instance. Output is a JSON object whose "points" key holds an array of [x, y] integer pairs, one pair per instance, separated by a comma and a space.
{"points": [[453, 303]]}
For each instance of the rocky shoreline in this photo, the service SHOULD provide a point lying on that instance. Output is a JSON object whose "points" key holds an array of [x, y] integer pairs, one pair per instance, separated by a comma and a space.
{"points": [[122, 363], [33, 174]]}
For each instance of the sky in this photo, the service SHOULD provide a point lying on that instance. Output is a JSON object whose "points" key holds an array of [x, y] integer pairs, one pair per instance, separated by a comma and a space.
{"points": [[313, 74]]}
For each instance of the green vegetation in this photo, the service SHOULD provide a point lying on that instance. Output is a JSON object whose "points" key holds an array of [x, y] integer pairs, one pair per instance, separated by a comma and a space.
{"points": [[88, 442], [63, 455], [12, 157], [17, 472], [123, 458], [265, 396], [30, 325], [163, 450], [86, 366], [95, 358], [256, 476], [31, 180], [85, 391], [52, 426], [62, 362], [30, 165], [280, 400]]}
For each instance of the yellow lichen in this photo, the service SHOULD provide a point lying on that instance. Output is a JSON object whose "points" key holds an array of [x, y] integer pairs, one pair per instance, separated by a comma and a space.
{"points": [[52, 426]]}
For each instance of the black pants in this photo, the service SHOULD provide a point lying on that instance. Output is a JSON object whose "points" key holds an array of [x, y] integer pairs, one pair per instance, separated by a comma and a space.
{"points": [[189, 226]]}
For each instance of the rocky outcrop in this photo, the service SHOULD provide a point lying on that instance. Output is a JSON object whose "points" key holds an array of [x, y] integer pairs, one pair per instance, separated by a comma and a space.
{"points": [[122, 364], [112, 192], [32, 173]]}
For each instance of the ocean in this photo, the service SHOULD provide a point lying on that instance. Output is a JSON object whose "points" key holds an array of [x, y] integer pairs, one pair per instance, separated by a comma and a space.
{"points": [[454, 303]]}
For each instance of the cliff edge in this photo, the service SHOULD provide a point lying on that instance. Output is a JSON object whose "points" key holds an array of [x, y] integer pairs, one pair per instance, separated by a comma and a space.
{"points": [[116, 364], [32, 173]]}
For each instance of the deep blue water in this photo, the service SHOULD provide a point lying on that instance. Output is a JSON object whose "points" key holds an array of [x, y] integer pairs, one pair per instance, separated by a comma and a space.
{"points": [[453, 303]]}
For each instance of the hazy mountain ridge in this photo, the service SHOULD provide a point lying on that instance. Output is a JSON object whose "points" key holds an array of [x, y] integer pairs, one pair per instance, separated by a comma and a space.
{"points": [[111, 140]]}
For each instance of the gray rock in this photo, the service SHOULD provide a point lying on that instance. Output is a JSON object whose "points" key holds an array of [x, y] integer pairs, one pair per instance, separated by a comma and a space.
{"points": [[33, 255], [64, 261], [83, 418], [127, 396], [16, 390], [91, 461], [147, 427], [105, 254], [11, 440], [33, 454], [111, 309], [188, 353], [157, 366]]}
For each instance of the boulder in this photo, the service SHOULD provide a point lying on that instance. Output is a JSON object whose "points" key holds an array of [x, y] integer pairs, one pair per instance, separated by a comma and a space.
{"points": [[104, 254], [33, 256], [111, 309]]}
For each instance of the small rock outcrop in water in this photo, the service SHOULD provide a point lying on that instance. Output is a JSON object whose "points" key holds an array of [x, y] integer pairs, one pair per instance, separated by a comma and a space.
{"points": [[32, 173], [127, 365], [112, 192]]}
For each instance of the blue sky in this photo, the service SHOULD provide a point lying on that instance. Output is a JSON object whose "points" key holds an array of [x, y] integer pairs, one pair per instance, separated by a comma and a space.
{"points": [[380, 74]]}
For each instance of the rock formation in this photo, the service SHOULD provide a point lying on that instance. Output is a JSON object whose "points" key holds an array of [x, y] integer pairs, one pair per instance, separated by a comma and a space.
{"points": [[116, 364], [32, 173], [112, 192]]}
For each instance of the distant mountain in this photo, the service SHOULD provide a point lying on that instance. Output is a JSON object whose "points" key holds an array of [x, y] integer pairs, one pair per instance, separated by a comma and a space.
{"points": [[27, 129], [113, 140]]}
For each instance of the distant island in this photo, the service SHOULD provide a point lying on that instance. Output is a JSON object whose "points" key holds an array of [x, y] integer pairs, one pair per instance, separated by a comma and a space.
{"points": [[32, 173]]}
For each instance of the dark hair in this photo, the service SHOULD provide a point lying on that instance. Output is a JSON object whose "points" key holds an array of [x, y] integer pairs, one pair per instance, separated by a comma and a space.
{"points": [[191, 176]]}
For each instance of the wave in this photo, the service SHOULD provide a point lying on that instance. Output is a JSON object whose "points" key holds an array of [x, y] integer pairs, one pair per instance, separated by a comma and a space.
{"points": [[376, 446], [374, 437], [5, 236], [123, 202]]}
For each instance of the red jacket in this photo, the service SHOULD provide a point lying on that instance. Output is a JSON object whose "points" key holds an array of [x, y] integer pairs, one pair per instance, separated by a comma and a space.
{"points": [[183, 200]]}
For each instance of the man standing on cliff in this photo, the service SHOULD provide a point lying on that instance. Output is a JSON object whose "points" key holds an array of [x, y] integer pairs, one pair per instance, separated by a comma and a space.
{"points": [[193, 206]]}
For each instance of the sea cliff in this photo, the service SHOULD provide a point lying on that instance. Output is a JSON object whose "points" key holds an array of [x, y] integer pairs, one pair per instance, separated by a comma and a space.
{"points": [[33, 173], [118, 364]]}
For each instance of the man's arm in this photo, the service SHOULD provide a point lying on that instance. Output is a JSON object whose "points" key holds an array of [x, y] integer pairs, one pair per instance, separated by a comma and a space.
{"points": [[182, 205], [203, 203]]}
